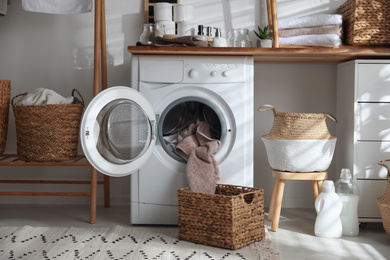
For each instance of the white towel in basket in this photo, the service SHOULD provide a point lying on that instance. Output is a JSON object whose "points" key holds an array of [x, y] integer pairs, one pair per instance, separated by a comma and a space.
{"points": [[43, 96]]}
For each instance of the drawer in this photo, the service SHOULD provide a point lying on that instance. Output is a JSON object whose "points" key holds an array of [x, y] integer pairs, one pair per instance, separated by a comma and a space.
{"points": [[368, 154], [373, 82], [373, 121], [370, 190]]}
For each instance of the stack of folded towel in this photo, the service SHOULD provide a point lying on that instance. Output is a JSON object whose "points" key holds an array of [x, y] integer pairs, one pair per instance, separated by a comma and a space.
{"points": [[314, 30]]}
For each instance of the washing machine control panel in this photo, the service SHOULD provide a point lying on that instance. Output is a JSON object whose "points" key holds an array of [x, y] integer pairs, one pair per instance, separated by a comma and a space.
{"points": [[214, 72]]}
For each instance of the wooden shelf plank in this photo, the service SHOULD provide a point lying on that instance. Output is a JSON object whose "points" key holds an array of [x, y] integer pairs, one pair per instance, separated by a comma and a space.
{"points": [[290, 54]]}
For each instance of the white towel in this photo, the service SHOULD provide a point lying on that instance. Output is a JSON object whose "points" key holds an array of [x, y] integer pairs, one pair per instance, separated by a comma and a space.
{"points": [[58, 6], [43, 96], [310, 21], [326, 40], [3, 7]]}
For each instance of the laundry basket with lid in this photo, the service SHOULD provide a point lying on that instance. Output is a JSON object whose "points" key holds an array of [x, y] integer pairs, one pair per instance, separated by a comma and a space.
{"points": [[299, 142]]}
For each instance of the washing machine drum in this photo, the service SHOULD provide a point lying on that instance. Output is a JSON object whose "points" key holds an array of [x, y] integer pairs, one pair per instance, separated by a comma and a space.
{"points": [[117, 131]]}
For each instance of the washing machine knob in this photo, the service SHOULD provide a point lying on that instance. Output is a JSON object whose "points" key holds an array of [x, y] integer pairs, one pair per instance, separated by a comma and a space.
{"points": [[214, 73], [193, 73], [225, 74]]}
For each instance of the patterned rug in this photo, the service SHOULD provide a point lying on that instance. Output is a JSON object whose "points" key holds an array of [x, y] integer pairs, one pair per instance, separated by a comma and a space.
{"points": [[132, 242]]}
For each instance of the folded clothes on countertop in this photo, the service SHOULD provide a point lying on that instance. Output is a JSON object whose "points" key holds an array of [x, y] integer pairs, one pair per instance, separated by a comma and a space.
{"points": [[326, 40], [326, 29], [185, 41], [310, 21]]}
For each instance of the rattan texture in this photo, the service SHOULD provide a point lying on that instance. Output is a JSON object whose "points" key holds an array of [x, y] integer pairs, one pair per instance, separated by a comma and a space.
{"points": [[298, 126], [366, 22], [5, 92], [47, 133], [384, 201], [231, 218]]}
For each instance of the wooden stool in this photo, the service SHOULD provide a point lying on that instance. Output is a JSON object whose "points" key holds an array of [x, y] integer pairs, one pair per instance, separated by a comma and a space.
{"points": [[317, 179]]}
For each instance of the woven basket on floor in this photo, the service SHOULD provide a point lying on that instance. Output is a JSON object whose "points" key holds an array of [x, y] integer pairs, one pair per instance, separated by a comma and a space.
{"points": [[5, 91], [366, 22], [384, 201], [47, 133], [231, 218]]}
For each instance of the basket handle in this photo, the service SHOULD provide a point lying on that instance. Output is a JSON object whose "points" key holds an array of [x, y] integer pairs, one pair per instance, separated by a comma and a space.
{"points": [[331, 117], [382, 163], [12, 101], [20, 99], [75, 90], [267, 107], [249, 197]]}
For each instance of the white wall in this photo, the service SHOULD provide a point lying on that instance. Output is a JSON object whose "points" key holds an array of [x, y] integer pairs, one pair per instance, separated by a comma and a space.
{"points": [[56, 51]]}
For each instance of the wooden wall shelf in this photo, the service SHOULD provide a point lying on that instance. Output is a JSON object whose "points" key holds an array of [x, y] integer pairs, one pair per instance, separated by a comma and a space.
{"points": [[294, 54]]}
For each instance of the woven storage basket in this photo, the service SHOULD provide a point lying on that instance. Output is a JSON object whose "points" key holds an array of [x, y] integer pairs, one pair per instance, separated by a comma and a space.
{"points": [[5, 91], [231, 218], [299, 142], [366, 22], [384, 201], [298, 126], [47, 133]]}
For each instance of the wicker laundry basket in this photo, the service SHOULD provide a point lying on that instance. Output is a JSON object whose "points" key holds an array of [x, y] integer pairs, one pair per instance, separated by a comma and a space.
{"points": [[5, 92], [384, 201], [231, 218], [299, 142], [47, 133], [366, 22]]}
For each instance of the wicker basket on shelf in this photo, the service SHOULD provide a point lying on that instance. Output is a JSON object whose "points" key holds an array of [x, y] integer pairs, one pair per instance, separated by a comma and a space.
{"points": [[231, 218], [47, 133], [366, 22], [5, 91], [384, 200]]}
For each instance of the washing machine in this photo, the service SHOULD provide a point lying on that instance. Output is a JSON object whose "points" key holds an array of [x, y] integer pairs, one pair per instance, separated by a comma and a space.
{"points": [[134, 130]]}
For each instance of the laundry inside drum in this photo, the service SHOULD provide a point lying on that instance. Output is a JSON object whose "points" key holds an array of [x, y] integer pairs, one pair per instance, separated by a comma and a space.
{"points": [[124, 131], [180, 116]]}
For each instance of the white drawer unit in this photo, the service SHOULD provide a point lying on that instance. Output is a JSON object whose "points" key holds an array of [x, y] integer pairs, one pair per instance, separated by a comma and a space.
{"points": [[363, 132]]}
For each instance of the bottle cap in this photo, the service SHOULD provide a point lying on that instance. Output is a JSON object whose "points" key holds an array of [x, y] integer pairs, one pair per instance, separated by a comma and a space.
{"points": [[345, 174], [200, 30], [217, 32], [328, 186], [209, 31]]}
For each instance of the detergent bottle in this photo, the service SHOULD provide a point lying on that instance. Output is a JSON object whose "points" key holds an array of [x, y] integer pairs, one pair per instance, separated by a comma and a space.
{"points": [[348, 192], [328, 206]]}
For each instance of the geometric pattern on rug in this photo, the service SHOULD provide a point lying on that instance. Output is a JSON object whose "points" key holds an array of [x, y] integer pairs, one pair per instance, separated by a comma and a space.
{"points": [[117, 243]]}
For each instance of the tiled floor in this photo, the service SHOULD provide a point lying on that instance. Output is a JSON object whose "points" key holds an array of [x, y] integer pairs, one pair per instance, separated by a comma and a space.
{"points": [[295, 238]]}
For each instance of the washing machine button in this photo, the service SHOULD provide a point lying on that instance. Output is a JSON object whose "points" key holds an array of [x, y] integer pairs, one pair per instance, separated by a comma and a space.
{"points": [[214, 73], [193, 73], [225, 74]]}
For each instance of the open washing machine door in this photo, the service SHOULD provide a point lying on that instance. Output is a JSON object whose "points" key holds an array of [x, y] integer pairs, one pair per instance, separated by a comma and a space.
{"points": [[117, 131]]}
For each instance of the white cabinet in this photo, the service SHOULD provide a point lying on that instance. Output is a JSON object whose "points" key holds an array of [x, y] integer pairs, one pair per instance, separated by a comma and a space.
{"points": [[363, 132]]}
